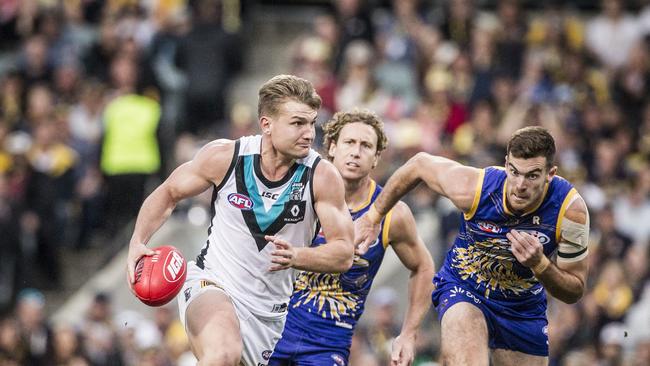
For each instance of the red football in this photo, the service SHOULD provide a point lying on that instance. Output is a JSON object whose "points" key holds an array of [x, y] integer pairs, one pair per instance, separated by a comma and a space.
{"points": [[159, 277]]}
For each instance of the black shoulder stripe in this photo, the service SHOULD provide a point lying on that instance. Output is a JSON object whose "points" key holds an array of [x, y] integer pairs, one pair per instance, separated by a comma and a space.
{"points": [[233, 162], [200, 259], [312, 171], [571, 255]]}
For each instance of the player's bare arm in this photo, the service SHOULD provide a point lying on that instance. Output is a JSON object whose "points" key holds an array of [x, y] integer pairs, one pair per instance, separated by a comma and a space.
{"points": [[208, 167], [329, 202], [444, 176], [564, 279], [412, 252]]}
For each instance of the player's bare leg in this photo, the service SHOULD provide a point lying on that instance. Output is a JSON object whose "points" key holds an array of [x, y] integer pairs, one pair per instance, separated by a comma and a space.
{"points": [[505, 357], [464, 336], [213, 330]]}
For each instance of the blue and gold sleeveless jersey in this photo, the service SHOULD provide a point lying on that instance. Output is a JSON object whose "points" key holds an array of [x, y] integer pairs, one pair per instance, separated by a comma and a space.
{"points": [[481, 256], [330, 304]]}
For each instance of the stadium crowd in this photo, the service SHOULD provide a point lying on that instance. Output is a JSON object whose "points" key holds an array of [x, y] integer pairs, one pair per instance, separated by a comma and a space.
{"points": [[98, 97]]}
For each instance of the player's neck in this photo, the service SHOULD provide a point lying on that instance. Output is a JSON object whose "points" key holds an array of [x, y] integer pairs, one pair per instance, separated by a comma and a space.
{"points": [[356, 191], [274, 164]]}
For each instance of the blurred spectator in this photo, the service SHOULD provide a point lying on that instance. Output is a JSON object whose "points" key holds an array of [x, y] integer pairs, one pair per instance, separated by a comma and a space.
{"points": [[385, 323], [177, 344], [11, 98], [66, 349], [563, 329], [612, 244], [458, 23], [360, 351], [641, 355], [611, 344], [66, 84], [311, 60], [10, 244], [354, 21], [637, 268], [34, 66], [438, 95], [398, 39], [49, 189], [13, 350], [476, 140], [612, 293], [39, 107], [481, 53], [632, 209], [632, 84], [98, 57], [60, 46], [99, 337], [638, 324], [510, 47], [139, 336], [172, 81], [34, 330], [130, 152], [133, 24], [358, 88], [85, 125], [209, 57], [612, 34]]}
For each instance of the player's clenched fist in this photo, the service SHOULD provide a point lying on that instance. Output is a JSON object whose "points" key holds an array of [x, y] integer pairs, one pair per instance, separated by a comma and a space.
{"points": [[526, 247]]}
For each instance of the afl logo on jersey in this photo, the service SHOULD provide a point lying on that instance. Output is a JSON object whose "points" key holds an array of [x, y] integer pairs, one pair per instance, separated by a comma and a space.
{"points": [[240, 201], [489, 227]]}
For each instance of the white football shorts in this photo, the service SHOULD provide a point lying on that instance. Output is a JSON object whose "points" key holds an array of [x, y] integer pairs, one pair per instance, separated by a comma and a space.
{"points": [[259, 335]]}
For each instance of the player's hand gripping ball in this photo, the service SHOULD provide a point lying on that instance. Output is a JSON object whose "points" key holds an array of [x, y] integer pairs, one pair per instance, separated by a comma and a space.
{"points": [[159, 277]]}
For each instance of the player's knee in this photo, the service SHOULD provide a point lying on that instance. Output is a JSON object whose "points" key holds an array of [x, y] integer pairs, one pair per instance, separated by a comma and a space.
{"points": [[223, 355]]}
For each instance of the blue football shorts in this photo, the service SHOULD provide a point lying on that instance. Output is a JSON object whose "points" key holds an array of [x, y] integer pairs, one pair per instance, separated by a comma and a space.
{"points": [[302, 349], [521, 327]]}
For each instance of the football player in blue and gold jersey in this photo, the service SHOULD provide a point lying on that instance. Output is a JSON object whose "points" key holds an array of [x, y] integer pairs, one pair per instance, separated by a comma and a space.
{"points": [[524, 230], [325, 307]]}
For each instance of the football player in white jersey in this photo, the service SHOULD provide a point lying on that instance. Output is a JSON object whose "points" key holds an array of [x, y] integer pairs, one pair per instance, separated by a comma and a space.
{"points": [[270, 195]]}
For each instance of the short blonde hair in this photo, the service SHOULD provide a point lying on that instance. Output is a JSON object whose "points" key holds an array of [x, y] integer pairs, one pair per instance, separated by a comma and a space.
{"points": [[332, 129], [282, 87]]}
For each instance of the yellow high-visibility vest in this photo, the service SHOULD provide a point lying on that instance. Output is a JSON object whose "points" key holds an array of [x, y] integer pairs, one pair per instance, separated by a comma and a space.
{"points": [[130, 144]]}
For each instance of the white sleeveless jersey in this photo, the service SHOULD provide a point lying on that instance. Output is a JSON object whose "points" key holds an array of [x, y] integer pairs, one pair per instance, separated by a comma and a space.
{"points": [[245, 207]]}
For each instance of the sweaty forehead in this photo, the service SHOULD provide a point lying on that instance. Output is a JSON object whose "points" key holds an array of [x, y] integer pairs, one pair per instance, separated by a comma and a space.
{"points": [[527, 165]]}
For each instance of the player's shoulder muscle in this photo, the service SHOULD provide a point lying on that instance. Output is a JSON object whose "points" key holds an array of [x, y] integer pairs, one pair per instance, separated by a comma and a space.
{"points": [[327, 181], [213, 160]]}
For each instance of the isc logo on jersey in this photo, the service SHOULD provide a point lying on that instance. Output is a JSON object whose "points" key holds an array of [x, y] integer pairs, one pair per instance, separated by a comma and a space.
{"points": [[173, 267], [240, 201]]}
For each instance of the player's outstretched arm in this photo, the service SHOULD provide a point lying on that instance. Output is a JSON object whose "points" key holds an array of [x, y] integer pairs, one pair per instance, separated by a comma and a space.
{"points": [[565, 279], [404, 238], [208, 167], [336, 255], [444, 176]]}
